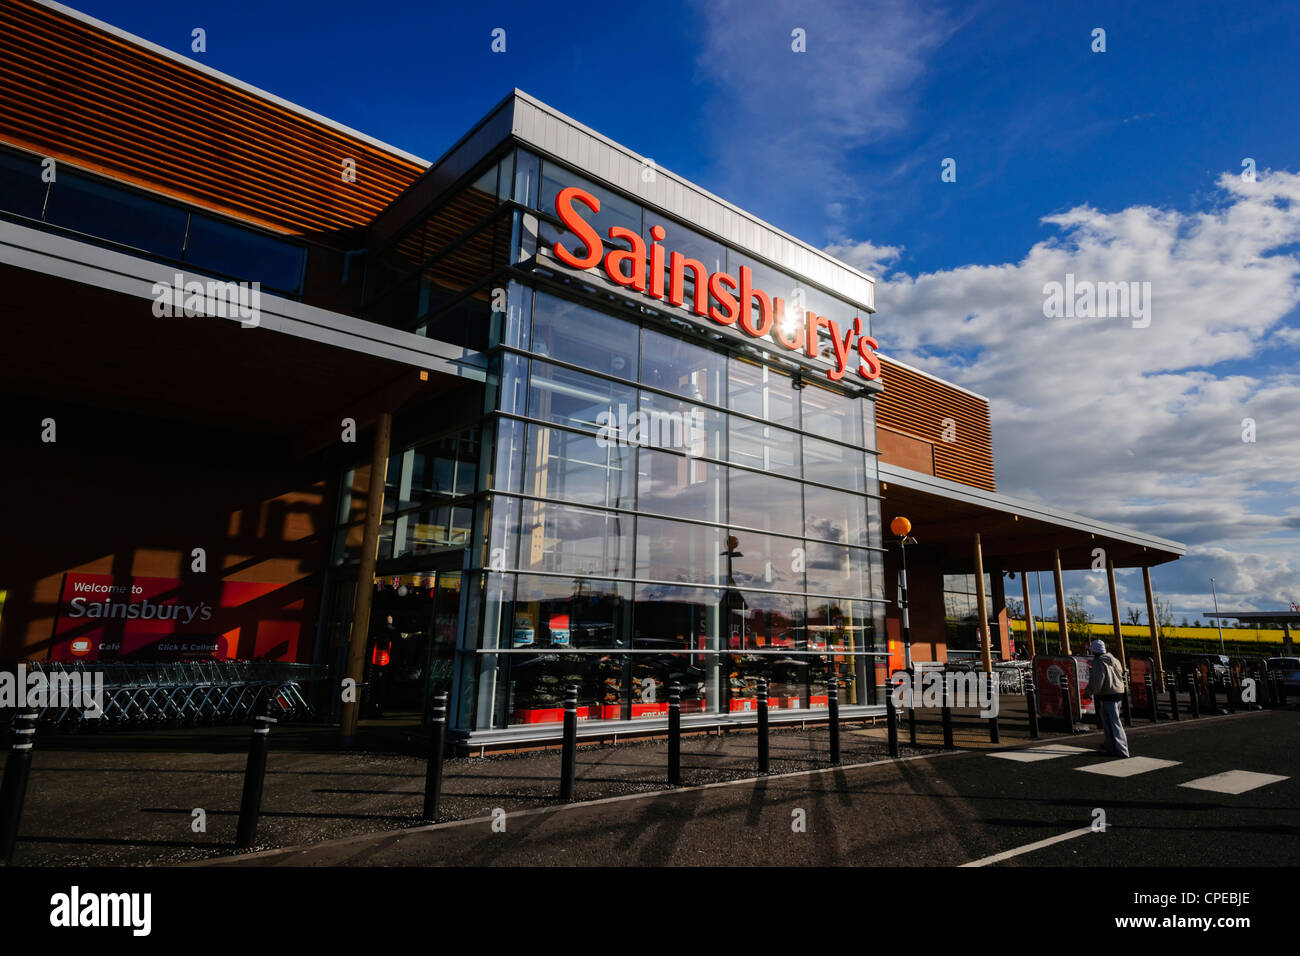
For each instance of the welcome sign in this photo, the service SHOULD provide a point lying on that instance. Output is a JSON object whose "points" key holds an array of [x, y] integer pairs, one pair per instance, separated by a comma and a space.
{"points": [[103, 617]]}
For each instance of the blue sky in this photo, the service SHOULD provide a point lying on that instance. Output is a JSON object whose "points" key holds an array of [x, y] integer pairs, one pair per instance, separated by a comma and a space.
{"points": [[1117, 166]]}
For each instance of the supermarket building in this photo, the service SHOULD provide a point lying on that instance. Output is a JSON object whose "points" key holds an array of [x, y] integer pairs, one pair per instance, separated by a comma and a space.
{"points": [[628, 433]]}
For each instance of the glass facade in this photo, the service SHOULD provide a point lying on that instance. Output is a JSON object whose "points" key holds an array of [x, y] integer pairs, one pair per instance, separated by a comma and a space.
{"points": [[961, 615], [112, 214], [661, 511], [640, 506]]}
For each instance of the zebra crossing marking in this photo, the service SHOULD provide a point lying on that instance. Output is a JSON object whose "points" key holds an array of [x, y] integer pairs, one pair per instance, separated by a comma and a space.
{"points": [[1048, 752], [1234, 782], [1128, 766]]}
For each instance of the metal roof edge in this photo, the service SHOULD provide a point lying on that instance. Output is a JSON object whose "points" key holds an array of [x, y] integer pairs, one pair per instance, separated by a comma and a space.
{"points": [[920, 481], [688, 184]]}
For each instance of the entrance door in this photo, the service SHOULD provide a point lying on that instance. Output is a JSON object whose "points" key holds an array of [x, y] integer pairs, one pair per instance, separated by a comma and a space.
{"points": [[414, 621]]}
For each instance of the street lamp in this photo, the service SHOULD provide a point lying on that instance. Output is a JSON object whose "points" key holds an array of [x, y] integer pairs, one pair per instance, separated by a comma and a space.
{"points": [[900, 526], [1218, 620]]}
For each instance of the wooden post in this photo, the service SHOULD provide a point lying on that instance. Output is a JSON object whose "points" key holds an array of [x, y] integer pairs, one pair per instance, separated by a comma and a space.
{"points": [[1029, 614], [1151, 623], [1114, 611], [1062, 628], [360, 634], [982, 605]]}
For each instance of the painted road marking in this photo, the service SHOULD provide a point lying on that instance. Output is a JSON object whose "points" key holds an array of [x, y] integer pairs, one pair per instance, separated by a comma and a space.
{"points": [[1234, 781], [1050, 752], [1029, 847], [1128, 766]]}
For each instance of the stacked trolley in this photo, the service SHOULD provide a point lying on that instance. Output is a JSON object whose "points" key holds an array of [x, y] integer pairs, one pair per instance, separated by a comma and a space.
{"points": [[173, 694]]}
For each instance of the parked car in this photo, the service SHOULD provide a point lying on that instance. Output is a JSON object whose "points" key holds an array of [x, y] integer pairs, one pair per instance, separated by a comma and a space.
{"points": [[1290, 668]]}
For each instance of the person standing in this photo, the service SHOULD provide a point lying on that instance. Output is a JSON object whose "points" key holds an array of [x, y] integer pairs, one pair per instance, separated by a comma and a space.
{"points": [[1106, 688]]}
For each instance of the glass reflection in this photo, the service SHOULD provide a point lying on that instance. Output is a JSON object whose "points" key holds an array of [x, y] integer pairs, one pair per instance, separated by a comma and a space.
{"points": [[682, 487], [762, 392], [575, 467]]}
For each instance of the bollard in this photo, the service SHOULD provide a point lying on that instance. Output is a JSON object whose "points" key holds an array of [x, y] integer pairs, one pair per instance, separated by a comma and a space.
{"points": [[437, 743], [912, 694], [250, 807], [947, 716], [569, 749], [1211, 698], [13, 791], [1151, 698], [1031, 704], [675, 734], [891, 717], [994, 691], [1125, 706], [1230, 692], [1194, 697], [764, 762], [833, 703], [1173, 695], [1067, 704]]}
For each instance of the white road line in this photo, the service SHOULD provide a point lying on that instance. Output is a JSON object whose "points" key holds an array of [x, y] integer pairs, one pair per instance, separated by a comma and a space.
{"points": [[1048, 752], [1029, 847], [1234, 781], [1128, 766]]}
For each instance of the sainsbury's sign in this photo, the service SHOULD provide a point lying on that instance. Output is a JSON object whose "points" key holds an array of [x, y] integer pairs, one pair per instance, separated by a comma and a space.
{"points": [[102, 617], [720, 297]]}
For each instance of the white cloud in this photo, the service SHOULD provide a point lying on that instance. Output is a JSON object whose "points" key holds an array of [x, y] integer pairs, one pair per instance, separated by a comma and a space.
{"points": [[872, 259], [781, 109], [1141, 426]]}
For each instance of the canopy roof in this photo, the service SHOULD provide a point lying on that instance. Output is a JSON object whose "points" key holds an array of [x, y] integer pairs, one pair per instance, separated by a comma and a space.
{"points": [[1016, 534]]}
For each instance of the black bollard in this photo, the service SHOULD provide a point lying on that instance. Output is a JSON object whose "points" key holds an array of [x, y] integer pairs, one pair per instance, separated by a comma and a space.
{"points": [[891, 717], [1230, 692], [13, 791], [1211, 697], [764, 761], [250, 807], [437, 743], [1031, 704], [1151, 697], [947, 715], [1194, 697], [675, 734], [1125, 706], [1067, 704], [833, 703], [914, 691], [994, 690], [569, 749], [1172, 681]]}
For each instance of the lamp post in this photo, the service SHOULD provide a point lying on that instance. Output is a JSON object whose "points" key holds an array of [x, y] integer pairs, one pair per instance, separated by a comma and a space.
{"points": [[1218, 620], [900, 526]]}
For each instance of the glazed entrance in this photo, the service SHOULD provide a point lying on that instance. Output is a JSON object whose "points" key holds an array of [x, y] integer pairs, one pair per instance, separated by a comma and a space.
{"points": [[412, 643]]}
